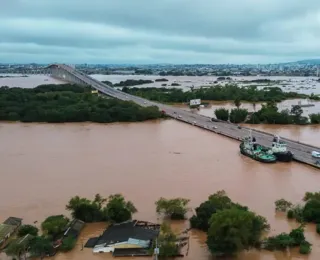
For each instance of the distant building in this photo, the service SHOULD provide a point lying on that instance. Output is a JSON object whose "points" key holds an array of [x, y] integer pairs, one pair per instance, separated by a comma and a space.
{"points": [[127, 238]]}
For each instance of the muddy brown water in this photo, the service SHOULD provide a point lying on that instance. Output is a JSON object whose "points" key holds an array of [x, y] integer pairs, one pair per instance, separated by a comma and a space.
{"points": [[43, 165]]}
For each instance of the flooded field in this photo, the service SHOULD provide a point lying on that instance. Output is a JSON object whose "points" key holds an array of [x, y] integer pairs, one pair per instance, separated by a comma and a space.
{"points": [[43, 165], [306, 85]]}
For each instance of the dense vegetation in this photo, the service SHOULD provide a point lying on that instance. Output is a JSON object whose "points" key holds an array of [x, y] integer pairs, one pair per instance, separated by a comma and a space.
{"points": [[68, 103], [114, 208], [308, 211], [285, 241], [27, 229], [230, 226], [173, 208], [269, 113], [129, 82], [218, 93], [54, 225]]}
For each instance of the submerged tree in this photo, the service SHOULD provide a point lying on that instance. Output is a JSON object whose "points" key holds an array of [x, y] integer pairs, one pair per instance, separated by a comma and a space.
{"points": [[233, 230], [283, 205], [222, 114], [16, 250], [40, 246], [174, 208], [118, 209], [114, 208], [27, 229], [215, 202], [167, 242], [54, 225]]}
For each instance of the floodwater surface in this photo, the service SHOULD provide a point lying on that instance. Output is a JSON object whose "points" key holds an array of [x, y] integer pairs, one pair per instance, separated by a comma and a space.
{"points": [[44, 165]]}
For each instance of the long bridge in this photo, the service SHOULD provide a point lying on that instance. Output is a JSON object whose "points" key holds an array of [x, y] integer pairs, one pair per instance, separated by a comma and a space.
{"points": [[302, 152]]}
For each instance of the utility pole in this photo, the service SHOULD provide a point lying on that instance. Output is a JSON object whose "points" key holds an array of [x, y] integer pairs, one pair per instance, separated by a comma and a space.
{"points": [[156, 250]]}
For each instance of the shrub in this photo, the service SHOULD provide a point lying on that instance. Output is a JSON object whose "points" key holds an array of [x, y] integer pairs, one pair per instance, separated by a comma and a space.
{"points": [[305, 248], [68, 244]]}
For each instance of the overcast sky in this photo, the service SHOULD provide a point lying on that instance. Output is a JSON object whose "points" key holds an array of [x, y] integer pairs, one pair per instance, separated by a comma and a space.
{"points": [[159, 31]]}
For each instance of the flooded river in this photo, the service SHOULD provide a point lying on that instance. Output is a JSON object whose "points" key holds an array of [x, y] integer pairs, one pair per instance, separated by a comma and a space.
{"points": [[43, 165]]}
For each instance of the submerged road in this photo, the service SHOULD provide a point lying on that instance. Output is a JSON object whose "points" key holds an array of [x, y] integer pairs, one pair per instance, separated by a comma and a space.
{"points": [[302, 152]]}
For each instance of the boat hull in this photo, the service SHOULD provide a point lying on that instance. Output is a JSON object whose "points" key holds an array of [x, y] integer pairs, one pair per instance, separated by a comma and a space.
{"points": [[284, 157], [255, 157]]}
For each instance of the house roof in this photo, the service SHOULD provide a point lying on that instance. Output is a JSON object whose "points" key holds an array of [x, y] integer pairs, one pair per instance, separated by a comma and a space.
{"points": [[5, 230], [24, 239], [13, 221], [122, 232], [74, 228]]}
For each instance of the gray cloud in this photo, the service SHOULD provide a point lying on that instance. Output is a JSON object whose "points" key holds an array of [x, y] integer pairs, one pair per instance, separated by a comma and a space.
{"points": [[172, 31]]}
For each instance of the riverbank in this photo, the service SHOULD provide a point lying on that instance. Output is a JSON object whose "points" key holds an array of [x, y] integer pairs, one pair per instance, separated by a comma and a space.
{"points": [[82, 159]]}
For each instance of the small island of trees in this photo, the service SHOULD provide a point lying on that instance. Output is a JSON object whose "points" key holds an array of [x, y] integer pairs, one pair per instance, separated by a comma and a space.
{"points": [[68, 103]]}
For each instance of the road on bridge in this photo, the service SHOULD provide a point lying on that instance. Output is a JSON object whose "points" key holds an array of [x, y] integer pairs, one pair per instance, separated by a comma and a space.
{"points": [[302, 152]]}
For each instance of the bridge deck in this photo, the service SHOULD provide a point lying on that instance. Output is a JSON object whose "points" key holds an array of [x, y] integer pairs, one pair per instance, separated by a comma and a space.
{"points": [[302, 152]]}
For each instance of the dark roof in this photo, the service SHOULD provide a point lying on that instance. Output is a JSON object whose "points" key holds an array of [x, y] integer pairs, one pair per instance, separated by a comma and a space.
{"points": [[91, 242], [13, 221], [74, 228], [123, 231], [24, 240]]}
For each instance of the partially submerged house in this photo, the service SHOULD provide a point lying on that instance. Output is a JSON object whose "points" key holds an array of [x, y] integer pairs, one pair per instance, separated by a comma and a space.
{"points": [[7, 228], [74, 228], [128, 238]]}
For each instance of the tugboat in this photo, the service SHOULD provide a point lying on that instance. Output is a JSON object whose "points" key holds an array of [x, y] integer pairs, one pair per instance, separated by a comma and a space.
{"points": [[250, 148], [279, 150]]}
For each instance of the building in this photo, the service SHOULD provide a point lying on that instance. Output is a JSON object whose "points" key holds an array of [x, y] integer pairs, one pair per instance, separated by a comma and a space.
{"points": [[7, 228], [127, 238], [74, 228]]}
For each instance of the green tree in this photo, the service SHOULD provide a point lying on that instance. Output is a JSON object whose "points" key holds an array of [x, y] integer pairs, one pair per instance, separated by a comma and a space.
{"points": [[311, 195], [68, 244], [98, 199], [283, 205], [68, 103], [28, 229], [40, 246], [237, 102], [167, 242], [54, 225], [296, 111], [311, 211], [118, 209], [315, 118], [233, 230], [174, 208], [222, 114], [74, 202], [238, 115], [305, 248], [285, 241], [87, 210], [16, 250], [217, 201]]}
